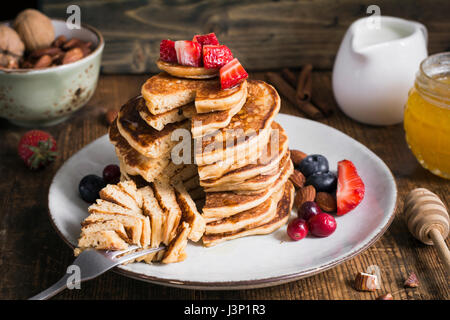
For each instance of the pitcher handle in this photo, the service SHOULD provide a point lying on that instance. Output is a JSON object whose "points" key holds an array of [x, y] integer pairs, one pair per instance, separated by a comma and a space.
{"points": [[424, 31]]}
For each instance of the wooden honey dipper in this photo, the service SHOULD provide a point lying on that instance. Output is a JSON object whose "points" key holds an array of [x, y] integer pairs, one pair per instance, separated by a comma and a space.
{"points": [[428, 221]]}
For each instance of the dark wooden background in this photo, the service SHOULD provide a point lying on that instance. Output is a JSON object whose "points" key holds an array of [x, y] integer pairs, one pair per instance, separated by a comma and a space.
{"points": [[262, 34]]}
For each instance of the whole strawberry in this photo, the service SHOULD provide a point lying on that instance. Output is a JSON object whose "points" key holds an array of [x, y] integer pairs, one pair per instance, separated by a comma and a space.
{"points": [[37, 149]]}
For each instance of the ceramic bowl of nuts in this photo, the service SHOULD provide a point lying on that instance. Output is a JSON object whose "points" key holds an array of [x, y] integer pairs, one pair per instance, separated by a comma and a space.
{"points": [[47, 70]]}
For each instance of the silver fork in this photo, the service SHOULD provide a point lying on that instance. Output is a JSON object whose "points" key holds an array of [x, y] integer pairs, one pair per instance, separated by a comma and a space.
{"points": [[93, 263]]}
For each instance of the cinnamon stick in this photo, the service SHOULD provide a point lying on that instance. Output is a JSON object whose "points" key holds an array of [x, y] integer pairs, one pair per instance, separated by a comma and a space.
{"points": [[322, 95], [290, 94], [289, 76], [304, 83]]}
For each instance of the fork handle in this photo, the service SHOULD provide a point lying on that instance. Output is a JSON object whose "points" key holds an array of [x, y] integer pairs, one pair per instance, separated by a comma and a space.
{"points": [[53, 290]]}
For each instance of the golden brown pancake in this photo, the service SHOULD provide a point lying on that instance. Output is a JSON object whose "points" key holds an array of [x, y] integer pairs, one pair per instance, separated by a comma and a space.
{"points": [[219, 205], [143, 138], [210, 97], [207, 123], [248, 131], [256, 183], [284, 208], [178, 70], [164, 92], [270, 159], [249, 218], [159, 121], [133, 162]]}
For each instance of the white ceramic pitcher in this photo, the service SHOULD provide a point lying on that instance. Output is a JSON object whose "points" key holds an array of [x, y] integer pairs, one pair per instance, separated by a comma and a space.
{"points": [[375, 68]]}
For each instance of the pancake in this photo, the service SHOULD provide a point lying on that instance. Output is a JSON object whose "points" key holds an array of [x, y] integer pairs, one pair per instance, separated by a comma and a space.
{"points": [[207, 123], [160, 120], [178, 70], [275, 150], [165, 194], [210, 97], [247, 219], [190, 213], [248, 130], [284, 208], [219, 205], [175, 252], [143, 138], [182, 172], [164, 92], [255, 183], [133, 162]]}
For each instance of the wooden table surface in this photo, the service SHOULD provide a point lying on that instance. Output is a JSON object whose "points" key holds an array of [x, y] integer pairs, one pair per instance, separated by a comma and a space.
{"points": [[33, 257]]}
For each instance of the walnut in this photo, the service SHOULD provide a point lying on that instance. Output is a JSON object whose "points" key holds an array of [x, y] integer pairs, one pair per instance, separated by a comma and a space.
{"points": [[8, 61], [35, 29], [10, 41]]}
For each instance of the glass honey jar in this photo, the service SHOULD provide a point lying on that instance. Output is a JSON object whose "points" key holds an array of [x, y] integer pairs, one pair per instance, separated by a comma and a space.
{"points": [[427, 115]]}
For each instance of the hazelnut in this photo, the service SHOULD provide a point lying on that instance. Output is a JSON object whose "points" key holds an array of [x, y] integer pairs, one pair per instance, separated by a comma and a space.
{"points": [[10, 42], [35, 29]]}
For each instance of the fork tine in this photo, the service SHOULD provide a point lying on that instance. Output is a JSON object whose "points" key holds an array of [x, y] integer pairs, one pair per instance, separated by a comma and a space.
{"points": [[138, 254], [111, 254]]}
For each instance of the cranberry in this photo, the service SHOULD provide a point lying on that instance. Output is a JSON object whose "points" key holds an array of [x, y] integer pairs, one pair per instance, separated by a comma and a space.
{"points": [[322, 225], [308, 210], [297, 229], [111, 174]]}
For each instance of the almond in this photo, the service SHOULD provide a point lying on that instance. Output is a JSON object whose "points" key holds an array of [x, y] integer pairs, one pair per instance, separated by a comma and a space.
{"points": [[72, 55], [59, 41], [366, 282], [297, 156], [304, 194], [72, 43], [298, 179], [51, 51], [326, 202], [43, 62]]}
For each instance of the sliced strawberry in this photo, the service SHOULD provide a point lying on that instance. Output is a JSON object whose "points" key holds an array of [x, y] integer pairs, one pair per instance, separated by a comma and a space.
{"points": [[216, 56], [167, 51], [206, 39], [350, 187], [231, 74], [189, 53], [37, 149]]}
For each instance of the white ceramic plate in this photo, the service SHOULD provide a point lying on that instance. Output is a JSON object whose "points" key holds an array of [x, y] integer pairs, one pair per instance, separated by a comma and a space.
{"points": [[256, 261]]}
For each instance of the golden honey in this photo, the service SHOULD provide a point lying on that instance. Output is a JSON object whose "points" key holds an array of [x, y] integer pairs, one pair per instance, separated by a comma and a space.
{"points": [[427, 115]]}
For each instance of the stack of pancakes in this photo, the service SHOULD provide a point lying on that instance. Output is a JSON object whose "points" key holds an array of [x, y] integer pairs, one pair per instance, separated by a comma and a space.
{"points": [[186, 140], [244, 169]]}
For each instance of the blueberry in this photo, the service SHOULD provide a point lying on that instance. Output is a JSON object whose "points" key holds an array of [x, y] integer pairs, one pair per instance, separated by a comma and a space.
{"points": [[312, 164], [322, 181], [90, 187]]}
